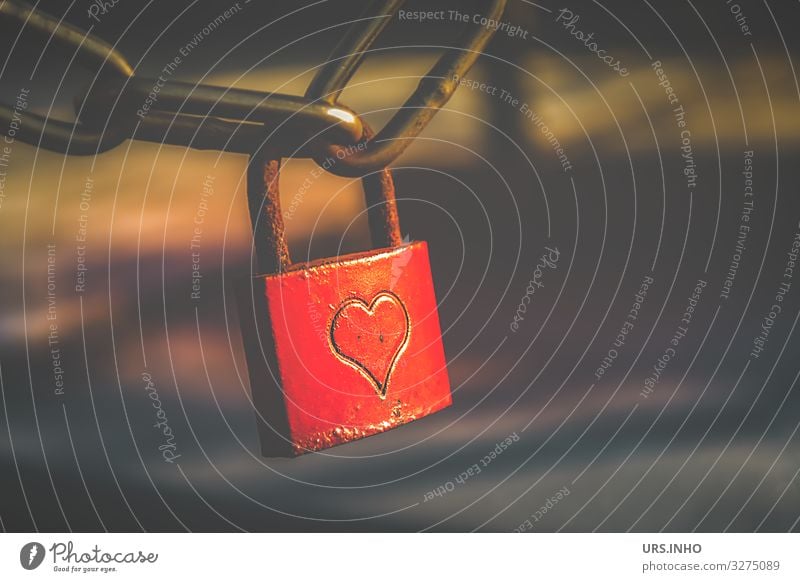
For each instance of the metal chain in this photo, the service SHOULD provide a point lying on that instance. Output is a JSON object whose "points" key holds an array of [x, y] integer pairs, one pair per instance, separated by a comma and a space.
{"points": [[181, 117], [238, 120], [433, 91]]}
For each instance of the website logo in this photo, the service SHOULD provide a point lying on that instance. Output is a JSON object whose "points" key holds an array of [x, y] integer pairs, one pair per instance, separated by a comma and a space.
{"points": [[31, 555]]}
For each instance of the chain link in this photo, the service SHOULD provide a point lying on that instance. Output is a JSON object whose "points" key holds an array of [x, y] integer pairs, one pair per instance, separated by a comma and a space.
{"points": [[220, 118], [238, 120]]}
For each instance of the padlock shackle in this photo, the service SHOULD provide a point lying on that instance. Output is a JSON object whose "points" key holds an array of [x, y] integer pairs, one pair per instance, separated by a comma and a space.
{"points": [[379, 196], [381, 202], [264, 201]]}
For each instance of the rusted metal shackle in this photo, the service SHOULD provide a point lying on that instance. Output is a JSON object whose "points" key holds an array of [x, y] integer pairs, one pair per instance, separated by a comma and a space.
{"points": [[433, 91]]}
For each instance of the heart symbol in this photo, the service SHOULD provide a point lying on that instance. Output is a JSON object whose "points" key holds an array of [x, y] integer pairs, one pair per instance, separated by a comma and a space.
{"points": [[370, 337]]}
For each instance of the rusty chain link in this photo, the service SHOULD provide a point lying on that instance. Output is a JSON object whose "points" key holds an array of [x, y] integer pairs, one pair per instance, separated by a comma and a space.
{"points": [[433, 91], [238, 120]]}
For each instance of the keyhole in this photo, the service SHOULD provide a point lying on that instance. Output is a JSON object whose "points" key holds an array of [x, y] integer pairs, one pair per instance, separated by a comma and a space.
{"points": [[380, 337]]}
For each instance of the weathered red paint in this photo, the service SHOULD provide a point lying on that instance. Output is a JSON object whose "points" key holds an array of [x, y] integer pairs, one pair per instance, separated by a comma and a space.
{"points": [[343, 348]]}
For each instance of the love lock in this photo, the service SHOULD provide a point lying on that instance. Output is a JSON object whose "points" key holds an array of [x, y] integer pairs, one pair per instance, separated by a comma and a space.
{"points": [[342, 348]]}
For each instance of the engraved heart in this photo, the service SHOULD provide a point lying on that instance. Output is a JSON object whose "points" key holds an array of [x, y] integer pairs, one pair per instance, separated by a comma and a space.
{"points": [[370, 337]]}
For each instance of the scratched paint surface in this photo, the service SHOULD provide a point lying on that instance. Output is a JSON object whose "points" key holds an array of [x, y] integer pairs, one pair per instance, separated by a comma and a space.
{"points": [[345, 331]]}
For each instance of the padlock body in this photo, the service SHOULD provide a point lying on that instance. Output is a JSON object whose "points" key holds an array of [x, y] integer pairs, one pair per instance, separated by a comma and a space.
{"points": [[343, 348]]}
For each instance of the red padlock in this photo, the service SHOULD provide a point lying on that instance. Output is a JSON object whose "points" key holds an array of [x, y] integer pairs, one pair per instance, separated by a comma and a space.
{"points": [[342, 348]]}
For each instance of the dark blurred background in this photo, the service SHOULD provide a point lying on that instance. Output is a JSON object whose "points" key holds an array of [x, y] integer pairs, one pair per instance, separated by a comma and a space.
{"points": [[713, 447]]}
